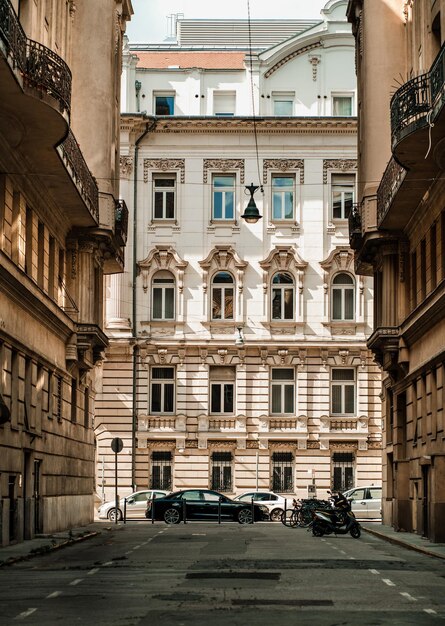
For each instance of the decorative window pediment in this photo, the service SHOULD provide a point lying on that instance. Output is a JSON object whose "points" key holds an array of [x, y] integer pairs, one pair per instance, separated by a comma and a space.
{"points": [[283, 258], [224, 258], [162, 258]]}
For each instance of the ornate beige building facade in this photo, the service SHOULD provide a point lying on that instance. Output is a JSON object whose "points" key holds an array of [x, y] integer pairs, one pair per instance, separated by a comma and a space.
{"points": [[237, 355], [62, 229], [398, 233]]}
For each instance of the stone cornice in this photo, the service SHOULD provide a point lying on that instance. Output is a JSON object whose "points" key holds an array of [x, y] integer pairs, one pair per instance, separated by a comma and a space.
{"points": [[266, 125]]}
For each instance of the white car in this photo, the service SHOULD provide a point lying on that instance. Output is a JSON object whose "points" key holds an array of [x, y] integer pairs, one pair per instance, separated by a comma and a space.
{"points": [[274, 503], [366, 502], [136, 504]]}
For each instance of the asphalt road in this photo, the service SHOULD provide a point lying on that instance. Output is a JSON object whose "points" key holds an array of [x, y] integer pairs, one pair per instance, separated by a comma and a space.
{"points": [[204, 574]]}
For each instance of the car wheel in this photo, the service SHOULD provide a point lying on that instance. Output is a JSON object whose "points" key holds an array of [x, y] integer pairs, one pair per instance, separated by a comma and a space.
{"points": [[172, 516], [245, 516], [275, 515], [112, 515], [317, 530], [355, 532]]}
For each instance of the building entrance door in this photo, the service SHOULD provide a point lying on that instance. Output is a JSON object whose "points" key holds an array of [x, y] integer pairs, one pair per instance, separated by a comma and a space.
{"points": [[425, 500]]}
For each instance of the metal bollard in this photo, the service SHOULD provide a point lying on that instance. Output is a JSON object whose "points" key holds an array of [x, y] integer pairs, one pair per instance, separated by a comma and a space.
{"points": [[153, 508], [125, 510], [253, 512], [219, 510], [184, 511]]}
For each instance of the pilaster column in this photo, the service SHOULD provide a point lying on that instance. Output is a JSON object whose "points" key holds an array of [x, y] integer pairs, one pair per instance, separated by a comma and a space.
{"points": [[116, 303]]}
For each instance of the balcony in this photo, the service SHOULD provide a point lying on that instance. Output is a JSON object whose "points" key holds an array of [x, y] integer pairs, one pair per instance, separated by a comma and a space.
{"points": [[384, 343], [417, 127], [220, 427], [283, 429], [91, 343]]}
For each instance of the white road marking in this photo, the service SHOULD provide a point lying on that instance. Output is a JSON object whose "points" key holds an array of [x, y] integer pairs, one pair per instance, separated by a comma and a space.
{"points": [[199, 534], [388, 582], [430, 611], [128, 552], [352, 558], [54, 594], [25, 614], [108, 563], [374, 571], [75, 582], [93, 571], [408, 595], [342, 551], [137, 547]]}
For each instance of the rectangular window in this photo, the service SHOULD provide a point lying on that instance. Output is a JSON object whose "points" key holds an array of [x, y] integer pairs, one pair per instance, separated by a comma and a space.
{"points": [[283, 103], [161, 470], [164, 197], [224, 103], [86, 407], [343, 392], [342, 106], [164, 104], [283, 391], [222, 390], [224, 197], [162, 390], [221, 471], [342, 471], [74, 400], [343, 191], [423, 269], [282, 472], [282, 198], [433, 256]]}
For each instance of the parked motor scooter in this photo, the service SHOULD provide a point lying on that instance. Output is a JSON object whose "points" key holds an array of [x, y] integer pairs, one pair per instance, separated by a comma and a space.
{"points": [[326, 522]]}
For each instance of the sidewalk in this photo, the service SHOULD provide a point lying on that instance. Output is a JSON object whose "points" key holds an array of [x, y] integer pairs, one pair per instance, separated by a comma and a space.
{"points": [[45, 543], [411, 541]]}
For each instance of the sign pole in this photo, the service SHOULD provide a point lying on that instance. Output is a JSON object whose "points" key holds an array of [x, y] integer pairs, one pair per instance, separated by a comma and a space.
{"points": [[116, 445]]}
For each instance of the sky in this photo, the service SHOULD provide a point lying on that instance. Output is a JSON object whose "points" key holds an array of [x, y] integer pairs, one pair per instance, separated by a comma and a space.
{"points": [[149, 23]]}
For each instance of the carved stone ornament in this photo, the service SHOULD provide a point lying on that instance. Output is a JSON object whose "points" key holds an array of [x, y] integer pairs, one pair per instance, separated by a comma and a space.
{"points": [[224, 257], [314, 60], [291, 56], [283, 165], [283, 258], [162, 257], [126, 166], [164, 165], [340, 259], [343, 165], [223, 165]]}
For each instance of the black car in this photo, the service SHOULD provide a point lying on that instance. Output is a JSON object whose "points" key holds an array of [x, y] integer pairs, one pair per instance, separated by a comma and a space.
{"points": [[203, 504]]}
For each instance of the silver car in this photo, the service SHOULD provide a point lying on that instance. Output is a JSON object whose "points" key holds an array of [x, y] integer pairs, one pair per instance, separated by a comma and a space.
{"points": [[366, 502], [136, 505], [274, 503]]}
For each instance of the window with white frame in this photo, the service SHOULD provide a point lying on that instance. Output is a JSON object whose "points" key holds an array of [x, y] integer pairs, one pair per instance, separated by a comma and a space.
{"points": [[283, 103], [283, 197], [343, 391], [343, 191], [164, 103], [222, 390], [224, 103], [163, 296], [164, 197], [223, 204], [343, 297], [283, 296], [283, 391], [342, 105], [223, 296], [162, 390]]}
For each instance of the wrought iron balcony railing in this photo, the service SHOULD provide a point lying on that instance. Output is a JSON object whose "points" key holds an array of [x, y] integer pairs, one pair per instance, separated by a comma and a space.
{"points": [[417, 98], [41, 68], [121, 222], [389, 185], [73, 158]]}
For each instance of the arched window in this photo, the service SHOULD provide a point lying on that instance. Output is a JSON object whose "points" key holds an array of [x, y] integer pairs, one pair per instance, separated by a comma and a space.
{"points": [[283, 296], [222, 296], [343, 296], [163, 296]]}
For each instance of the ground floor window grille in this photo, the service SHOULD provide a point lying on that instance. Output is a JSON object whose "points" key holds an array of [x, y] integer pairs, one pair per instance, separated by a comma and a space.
{"points": [[282, 472], [221, 471], [343, 470], [161, 470]]}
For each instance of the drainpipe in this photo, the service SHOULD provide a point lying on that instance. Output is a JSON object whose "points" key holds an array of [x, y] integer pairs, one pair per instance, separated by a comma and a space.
{"points": [[148, 128]]}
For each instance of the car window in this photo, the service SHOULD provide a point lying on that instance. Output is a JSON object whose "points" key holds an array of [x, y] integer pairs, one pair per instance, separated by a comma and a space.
{"points": [[139, 497], [358, 494], [210, 496], [375, 493], [159, 494], [192, 495], [246, 496]]}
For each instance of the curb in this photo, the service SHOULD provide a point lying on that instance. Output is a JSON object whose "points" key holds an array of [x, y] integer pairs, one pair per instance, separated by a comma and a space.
{"points": [[47, 548], [403, 544]]}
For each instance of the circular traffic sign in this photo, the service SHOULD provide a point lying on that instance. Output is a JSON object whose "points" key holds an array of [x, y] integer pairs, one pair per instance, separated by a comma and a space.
{"points": [[117, 444]]}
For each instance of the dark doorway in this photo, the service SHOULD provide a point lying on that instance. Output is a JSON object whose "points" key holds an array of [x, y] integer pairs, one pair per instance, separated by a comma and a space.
{"points": [[425, 501]]}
